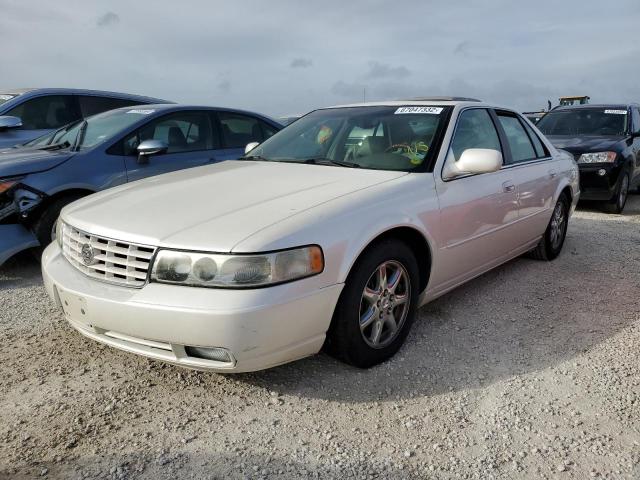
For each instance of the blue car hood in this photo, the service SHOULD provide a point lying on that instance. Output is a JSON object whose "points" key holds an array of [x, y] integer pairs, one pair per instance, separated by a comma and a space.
{"points": [[24, 161]]}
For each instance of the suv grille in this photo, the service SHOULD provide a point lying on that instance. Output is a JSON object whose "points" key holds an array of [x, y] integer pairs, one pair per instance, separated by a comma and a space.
{"points": [[108, 260]]}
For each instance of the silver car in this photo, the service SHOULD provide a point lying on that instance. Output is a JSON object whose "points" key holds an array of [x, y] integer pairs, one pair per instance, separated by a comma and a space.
{"points": [[330, 233]]}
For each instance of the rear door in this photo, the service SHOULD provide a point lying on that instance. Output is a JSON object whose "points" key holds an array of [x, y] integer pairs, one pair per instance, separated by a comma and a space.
{"points": [[477, 212], [191, 139], [534, 172]]}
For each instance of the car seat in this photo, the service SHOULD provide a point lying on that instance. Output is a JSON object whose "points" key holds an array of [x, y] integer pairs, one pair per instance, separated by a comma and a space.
{"points": [[177, 140]]}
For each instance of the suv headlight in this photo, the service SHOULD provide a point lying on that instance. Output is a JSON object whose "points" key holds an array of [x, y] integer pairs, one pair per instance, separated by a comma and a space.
{"points": [[598, 157], [236, 271]]}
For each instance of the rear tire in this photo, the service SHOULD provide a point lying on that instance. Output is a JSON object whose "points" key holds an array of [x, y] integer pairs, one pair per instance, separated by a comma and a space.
{"points": [[620, 199], [377, 305], [552, 241]]}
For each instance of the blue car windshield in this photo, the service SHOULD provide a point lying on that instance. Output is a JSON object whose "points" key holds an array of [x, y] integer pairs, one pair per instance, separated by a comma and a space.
{"points": [[101, 127], [5, 97]]}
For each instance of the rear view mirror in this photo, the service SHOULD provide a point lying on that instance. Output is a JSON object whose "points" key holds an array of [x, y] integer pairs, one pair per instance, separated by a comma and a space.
{"points": [[7, 122], [474, 161], [250, 146], [150, 147]]}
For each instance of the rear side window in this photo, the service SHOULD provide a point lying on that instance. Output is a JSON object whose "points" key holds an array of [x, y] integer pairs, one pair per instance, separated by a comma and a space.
{"points": [[519, 142], [90, 104], [541, 151], [239, 130], [46, 112], [475, 129]]}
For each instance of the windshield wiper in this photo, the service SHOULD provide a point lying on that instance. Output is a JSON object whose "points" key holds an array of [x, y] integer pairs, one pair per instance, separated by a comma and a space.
{"points": [[257, 158], [80, 137], [328, 161], [55, 146]]}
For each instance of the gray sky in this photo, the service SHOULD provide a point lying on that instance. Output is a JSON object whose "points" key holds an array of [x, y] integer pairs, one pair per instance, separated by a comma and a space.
{"points": [[290, 56]]}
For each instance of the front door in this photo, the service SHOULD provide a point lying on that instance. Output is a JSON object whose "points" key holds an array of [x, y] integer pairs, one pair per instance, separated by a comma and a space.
{"points": [[188, 134], [476, 211]]}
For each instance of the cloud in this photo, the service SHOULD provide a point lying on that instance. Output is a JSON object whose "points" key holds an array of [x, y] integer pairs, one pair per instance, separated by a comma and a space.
{"points": [[108, 19], [354, 91], [462, 48], [301, 63], [380, 70]]}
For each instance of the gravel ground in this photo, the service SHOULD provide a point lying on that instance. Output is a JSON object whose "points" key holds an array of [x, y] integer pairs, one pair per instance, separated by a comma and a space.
{"points": [[530, 371]]}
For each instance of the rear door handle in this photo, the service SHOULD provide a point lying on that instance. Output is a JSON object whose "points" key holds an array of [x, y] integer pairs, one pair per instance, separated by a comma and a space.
{"points": [[508, 186], [552, 173]]}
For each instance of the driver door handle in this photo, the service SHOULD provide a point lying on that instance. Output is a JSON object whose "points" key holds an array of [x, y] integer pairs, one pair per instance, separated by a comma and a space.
{"points": [[508, 186]]}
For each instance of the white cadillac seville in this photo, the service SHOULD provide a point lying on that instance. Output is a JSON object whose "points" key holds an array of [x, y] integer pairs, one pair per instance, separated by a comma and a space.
{"points": [[329, 234]]}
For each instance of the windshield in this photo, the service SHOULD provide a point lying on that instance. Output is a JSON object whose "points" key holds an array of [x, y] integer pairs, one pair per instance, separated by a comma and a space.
{"points": [[584, 121], [380, 138], [5, 97], [100, 128], [50, 138]]}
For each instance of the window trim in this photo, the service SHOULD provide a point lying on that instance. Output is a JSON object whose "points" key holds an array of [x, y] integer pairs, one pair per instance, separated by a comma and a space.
{"points": [[501, 140], [511, 163]]}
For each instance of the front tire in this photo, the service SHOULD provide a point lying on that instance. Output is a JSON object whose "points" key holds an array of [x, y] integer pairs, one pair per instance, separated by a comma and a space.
{"points": [[552, 241], [44, 226], [377, 306], [620, 199]]}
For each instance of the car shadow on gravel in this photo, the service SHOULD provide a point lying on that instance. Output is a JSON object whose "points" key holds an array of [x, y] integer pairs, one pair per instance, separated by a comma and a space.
{"points": [[170, 465], [21, 270], [520, 318]]}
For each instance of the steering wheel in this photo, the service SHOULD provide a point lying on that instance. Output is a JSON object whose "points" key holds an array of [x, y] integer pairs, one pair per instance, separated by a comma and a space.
{"points": [[404, 147]]}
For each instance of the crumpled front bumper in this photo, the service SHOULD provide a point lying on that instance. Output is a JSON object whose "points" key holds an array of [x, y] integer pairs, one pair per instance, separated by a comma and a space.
{"points": [[15, 238]]}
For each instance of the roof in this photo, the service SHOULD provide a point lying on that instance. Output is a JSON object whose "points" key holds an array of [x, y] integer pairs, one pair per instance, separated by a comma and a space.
{"points": [[178, 107], [439, 101], [80, 91], [613, 106]]}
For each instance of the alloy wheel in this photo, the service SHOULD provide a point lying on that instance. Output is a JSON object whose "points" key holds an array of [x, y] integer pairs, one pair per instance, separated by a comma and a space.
{"points": [[384, 304], [558, 225]]}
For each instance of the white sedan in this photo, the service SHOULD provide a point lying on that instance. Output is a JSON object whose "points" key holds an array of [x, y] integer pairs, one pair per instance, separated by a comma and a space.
{"points": [[329, 234]]}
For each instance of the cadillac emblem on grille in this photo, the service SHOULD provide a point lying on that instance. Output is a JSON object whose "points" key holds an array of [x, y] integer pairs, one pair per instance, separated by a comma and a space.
{"points": [[87, 254]]}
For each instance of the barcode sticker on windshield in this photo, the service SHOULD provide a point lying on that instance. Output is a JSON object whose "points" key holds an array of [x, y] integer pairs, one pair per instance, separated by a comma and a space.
{"points": [[616, 112], [141, 112], [431, 110]]}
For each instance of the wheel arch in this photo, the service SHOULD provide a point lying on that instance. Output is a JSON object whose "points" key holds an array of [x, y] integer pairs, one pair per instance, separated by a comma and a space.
{"points": [[414, 238]]}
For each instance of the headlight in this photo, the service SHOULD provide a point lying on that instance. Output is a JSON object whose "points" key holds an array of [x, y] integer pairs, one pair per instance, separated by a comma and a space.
{"points": [[598, 157], [7, 183], [236, 271]]}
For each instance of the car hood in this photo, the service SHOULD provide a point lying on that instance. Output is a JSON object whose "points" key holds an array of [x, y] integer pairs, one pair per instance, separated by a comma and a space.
{"points": [[215, 207], [21, 161], [587, 144]]}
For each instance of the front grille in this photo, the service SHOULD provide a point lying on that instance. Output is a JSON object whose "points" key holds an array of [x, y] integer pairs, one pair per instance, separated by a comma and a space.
{"points": [[113, 261]]}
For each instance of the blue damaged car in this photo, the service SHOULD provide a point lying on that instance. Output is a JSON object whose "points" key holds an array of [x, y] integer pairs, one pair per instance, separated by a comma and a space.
{"points": [[109, 149], [31, 112]]}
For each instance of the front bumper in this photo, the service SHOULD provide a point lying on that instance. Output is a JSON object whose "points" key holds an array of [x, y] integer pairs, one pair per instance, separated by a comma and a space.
{"points": [[259, 328], [594, 186], [13, 239]]}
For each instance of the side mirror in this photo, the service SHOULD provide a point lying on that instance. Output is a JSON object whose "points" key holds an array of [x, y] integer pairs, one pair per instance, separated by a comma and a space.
{"points": [[150, 147], [250, 146], [474, 161], [7, 122]]}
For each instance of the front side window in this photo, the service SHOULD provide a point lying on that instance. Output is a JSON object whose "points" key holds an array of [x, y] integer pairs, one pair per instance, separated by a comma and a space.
{"points": [[519, 142], [475, 129], [182, 132], [380, 138], [585, 121], [46, 112], [635, 117]]}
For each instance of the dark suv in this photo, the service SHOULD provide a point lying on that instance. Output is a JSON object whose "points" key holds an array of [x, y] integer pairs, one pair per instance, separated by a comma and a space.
{"points": [[605, 141]]}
